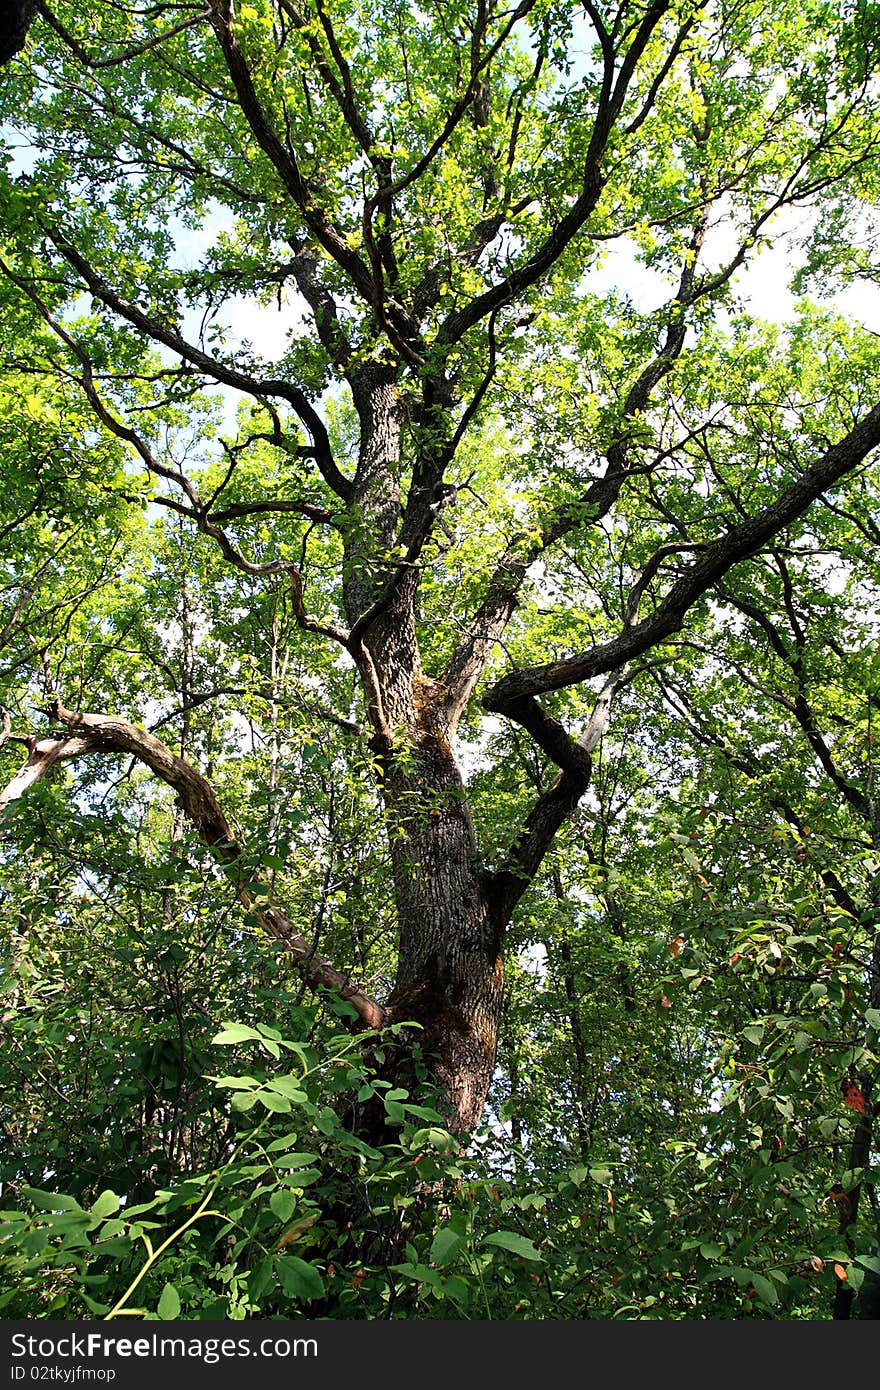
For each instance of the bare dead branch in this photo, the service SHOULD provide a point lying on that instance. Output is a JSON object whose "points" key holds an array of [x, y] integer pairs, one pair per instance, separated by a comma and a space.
{"points": [[94, 733]]}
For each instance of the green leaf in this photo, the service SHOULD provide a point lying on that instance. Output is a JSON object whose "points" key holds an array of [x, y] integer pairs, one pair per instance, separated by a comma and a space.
{"points": [[261, 1278], [244, 1100], [765, 1290], [439, 1139], [283, 1204], [456, 1288], [289, 1086], [422, 1112], [111, 1229], [855, 1278], [235, 1083], [515, 1243], [299, 1279], [445, 1246], [236, 1033], [286, 1141], [105, 1205], [279, 1105], [421, 1274], [51, 1201], [99, 1309], [169, 1303]]}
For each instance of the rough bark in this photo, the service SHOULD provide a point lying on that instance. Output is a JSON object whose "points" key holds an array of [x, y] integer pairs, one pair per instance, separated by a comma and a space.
{"points": [[449, 973]]}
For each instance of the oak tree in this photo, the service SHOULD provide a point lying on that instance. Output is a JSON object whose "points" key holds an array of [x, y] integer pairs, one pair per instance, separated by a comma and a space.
{"points": [[496, 495]]}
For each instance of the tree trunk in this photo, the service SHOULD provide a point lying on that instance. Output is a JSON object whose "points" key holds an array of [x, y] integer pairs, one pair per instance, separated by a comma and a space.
{"points": [[15, 20], [449, 971], [862, 1143]]}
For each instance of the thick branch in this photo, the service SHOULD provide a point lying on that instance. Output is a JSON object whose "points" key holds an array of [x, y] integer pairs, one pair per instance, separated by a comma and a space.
{"points": [[273, 504], [334, 340], [556, 804], [536, 267], [127, 54], [502, 595], [220, 371], [197, 512], [43, 754], [282, 159], [15, 19], [285, 163], [718, 556], [341, 88]]}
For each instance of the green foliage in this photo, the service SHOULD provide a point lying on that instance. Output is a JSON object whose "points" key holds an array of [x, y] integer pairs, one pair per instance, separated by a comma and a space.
{"points": [[221, 1244], [303, 1217]]}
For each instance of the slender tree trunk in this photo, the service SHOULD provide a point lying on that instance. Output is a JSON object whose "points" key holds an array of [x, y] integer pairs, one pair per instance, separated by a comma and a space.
{"points": [[863, 1137], [862, 1142]]}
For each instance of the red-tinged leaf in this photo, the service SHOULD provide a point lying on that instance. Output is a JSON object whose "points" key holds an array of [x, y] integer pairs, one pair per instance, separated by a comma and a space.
{"points": [[837, 1195], [676, 944], [853, 1097], [737, 955], [840, 1272]]}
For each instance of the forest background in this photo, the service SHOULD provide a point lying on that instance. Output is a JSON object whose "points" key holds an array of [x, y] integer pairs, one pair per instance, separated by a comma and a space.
{"points": [[438, 660]]}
